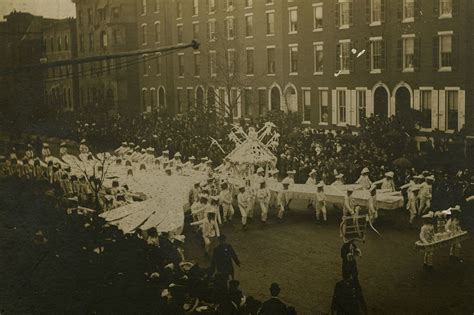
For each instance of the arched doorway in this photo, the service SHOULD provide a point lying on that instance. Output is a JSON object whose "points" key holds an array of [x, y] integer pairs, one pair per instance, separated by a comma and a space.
{"points": [[402, 102], [199, 97], [381, 102], [161, 97], [275, 98], [291, 99], [211, 98]]}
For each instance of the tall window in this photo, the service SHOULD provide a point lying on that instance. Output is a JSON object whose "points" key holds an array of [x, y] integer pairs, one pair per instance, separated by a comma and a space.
{"points": [[230, 5], [271, 60], [59, 44], [408, 53], [195, 30], [324, 106], [116, 12], [269, 1], [445, 51], [341, 105], [294, 59], [197, 64], [345, 13], [179, 99], [408, 9], [361, 105], [452, 109], [116, 35], [143, 7], [425, 105], [144, 102], [181, 65], [248, 102], [270, 23], [344, 55], [179, 9], [195, 7], [81, 42], [212, 62], [179, 28], [231, 61], [262, 101], [103, 39], [144, 34], [66, 42], [248, 3], [376, 54], [145, 65], [318, 58], [317, 16], [248, 25], [211, 5], [89, 17], [158, 64], [153, 98], [293, 20], [230, 28], [211, 30], [375, 11], [157, 5], [157, 32], [189, 97], [306, 105], [91, 41], [250, 61], [446, 8]]}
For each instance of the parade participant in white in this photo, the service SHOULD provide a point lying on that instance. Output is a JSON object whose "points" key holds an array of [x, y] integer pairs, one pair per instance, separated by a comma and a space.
{"points": [[282, 199], [320, 202], [364, 179], [427, 236], [426, 191], [339, 180], [453, 227], [209, 229], [263, 197], [225, 198], [243, 203]]}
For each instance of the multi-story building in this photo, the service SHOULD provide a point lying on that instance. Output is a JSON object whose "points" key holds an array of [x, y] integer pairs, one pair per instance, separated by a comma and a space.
{"points": [[332, 61], [62, 83], [21, 92], [105, 27]]}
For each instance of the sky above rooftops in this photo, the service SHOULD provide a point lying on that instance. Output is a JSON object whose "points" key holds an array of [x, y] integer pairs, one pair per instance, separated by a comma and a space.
{"points": [[47, 8]]}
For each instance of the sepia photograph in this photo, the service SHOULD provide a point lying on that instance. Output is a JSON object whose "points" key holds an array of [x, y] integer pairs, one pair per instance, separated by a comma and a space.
{"points": [[237, 157]]}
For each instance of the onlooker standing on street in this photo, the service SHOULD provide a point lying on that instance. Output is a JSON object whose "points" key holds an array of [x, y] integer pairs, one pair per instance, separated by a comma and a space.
{"points": [[273, 306], [348, 298], [224, 258]]}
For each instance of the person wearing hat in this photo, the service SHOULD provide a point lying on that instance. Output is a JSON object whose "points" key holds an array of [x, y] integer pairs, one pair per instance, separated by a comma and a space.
{"points": [[426, 194], [83, 148], [273, 176], [190, 163], [214, 208], [223, 259], [243, 203], [273, 306], [283, 202], [386, 183], [62, 149], [29, 153], [413, 204], [339, 180], [177, 160], [427, 236], [320, 203], [263, 197], [372, 204], [198, 209], [121, 149], [148, 156], [291, 176], [453, 227], [364, 179], [193, 195], [45, 152], [165, 157], [225, 200], [209, 229]]}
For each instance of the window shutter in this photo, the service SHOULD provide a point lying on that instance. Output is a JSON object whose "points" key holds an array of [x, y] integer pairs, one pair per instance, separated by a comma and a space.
{"points": [[338, 53], [351, 95], [455, 7], [383, 59], [350, 13], [400, 10], [436, 8], [369, 103], [416, 100], [367, 11], [434, 109], [400, 54], [417, 52], [435, 57], [334, 108], [225, 29], [336, 14], [461, 108], [417, 9], [236, 28], [442, 110], [454, 53], [382, 10], [368, 55]]}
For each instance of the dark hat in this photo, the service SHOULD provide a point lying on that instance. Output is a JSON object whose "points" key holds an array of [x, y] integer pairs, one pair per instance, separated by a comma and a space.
{"points": [[274, 286]]}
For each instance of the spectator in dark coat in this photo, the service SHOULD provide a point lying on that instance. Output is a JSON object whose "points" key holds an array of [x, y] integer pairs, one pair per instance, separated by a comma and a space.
{"points": [[348, 298], [273, 306], [223, 258]]}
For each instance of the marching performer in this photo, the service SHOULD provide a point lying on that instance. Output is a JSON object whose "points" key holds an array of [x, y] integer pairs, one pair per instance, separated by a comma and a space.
{"points": [[225, 198], [273, 176], [29, 153], [263, 197], [427, 237], [177, 160], [372, 204], [283, 202], [194, 194], [291, 177], [45, 152], [83, 148], [243, 202], [190, 163], [426, 192], [453, 227], [312, 178], [165, 157], [62, 149], [349, 208], [320, 202], [121, 149], [251, 196], [209, 229], [387, 182], [214, 208], [413, 204], [258, 176], [339, 180], [364, 179]]}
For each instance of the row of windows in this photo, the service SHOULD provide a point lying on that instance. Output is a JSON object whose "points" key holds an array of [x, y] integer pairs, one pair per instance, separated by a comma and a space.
{"points": [[443, 109], [346, 54], [153, 100], [211, 6], [117, 39], [59, 43], [61, 97], [101, 15]]}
